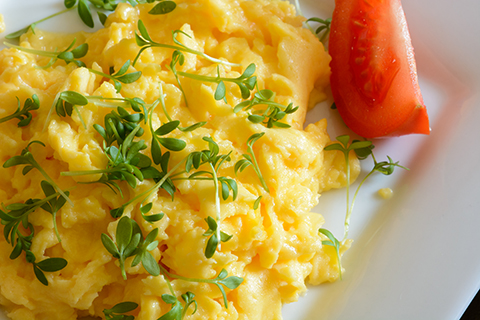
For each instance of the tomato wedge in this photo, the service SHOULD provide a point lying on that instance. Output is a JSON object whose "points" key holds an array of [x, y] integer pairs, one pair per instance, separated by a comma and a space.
{"points": [[374, 78]]}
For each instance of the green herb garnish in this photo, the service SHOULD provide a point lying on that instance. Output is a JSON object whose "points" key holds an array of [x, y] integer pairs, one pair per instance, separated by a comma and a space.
{"points": [[16, 215], [161, 99], [270, 116], [178, 311], [26, 158], [125, 162], [245, 82], [85, 12], [151, 217], [162, 180], [24, 114], [323, 30], [129, 242], [144, 41], [119, 124], [334, 243], [214, 240], [164, 7], [117, 312], [214, 160], [251, 160], [256, 204], [68, 55], [121, 76], [221, 280], [158, 134], [363, 149], [65, 102], [46, 265], [53, 205]]}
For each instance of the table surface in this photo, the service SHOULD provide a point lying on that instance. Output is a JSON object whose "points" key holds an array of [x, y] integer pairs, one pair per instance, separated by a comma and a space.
{"points": [[473, 310]]}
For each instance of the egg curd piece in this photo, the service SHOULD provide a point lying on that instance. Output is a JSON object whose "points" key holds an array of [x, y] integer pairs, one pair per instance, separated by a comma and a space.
{"points": [[269, 246]]}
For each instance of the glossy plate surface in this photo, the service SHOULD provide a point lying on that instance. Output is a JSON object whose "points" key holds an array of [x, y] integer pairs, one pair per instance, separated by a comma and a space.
{"points": [[416, 255]]}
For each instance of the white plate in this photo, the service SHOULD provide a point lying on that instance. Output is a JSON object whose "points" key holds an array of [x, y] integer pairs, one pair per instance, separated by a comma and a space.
{"points": [[415, 256]]}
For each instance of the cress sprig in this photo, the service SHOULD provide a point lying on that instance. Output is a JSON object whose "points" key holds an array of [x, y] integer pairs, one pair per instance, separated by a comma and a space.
{"points": [[221, 280], [271, 116], [85, 12], [129, 242], [214, 161], [178, 58], [53, 205], [23, 115], [251, 160], [121, 76], [161, 100], [26, 158], [119, 124], [158, 139], [144, 41], [323, 29], [64, 103], [118, 311], [67, 101], [214, 239], [68, 55], [17, 214], [125, 163], [162, 180], [245, 82], [333, 242], [363, 149], [178, 310]]}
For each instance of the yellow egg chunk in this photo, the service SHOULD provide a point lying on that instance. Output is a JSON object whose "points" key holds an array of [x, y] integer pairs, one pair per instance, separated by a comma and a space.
{"points": [[151, 172], [385, 193], [2, 23]]}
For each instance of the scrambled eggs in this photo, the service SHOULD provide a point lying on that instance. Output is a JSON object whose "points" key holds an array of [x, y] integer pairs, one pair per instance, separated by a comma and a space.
{"points": [[275, 247]]}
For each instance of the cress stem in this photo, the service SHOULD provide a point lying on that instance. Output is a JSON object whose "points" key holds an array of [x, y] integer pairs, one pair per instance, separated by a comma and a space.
{"points": [[47, 177], [217, 204], [175, 276], [10, 117], [257, 169], [347, 216]]}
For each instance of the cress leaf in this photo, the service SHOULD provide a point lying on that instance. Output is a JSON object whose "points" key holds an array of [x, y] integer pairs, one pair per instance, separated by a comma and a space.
{"points": [[334, 243], [85, 13], [124, 307], [163, 7], [40, 275], [52, 264]]}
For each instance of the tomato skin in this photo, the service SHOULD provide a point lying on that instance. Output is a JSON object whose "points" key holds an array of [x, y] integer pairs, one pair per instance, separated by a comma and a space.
{"points": [[374, 79]]}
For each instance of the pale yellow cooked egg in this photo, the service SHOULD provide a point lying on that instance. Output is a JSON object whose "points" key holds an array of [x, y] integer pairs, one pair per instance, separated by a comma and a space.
{"points": [[2, 23], [385, 193], [275, 248]]}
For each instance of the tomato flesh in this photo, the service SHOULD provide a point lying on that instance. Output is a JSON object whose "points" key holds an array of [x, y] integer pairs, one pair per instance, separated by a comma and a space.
{"points": [[374, 79]]}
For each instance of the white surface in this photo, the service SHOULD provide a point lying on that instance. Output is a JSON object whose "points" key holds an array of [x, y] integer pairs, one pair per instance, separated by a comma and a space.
{"points": [[417, 255]]}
